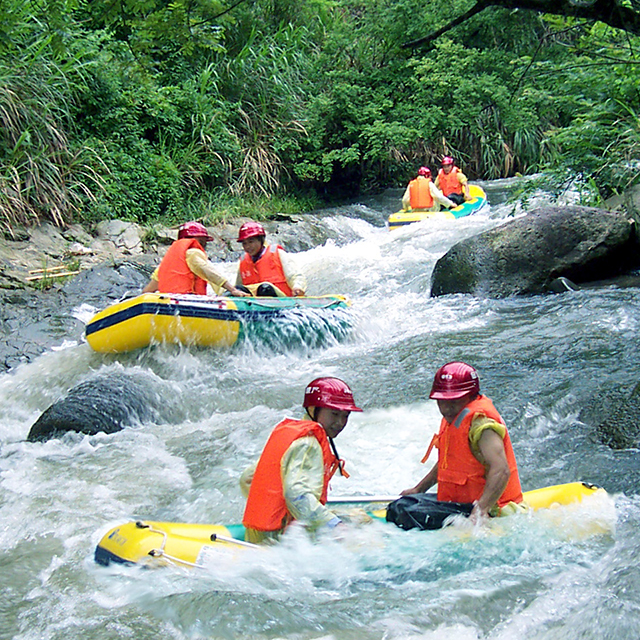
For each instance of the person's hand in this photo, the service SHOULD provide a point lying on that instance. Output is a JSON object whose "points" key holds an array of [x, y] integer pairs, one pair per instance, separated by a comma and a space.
{"points": [[409, 492], [298, 292], [239, 294], [355, 515], [477, 515]]}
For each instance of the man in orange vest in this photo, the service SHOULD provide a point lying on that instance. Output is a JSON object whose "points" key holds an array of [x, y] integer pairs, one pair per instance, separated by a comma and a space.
{"points": [[185, 267], [291, 479], [476, 470], [266, 270], [452, 182], [422, 195]]}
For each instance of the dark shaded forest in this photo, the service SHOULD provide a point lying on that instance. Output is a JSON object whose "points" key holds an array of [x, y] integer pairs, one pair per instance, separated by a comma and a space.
{"points": [[163, 111]]}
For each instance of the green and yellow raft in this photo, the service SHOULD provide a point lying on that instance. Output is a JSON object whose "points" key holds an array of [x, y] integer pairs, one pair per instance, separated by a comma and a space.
{"points": [[206, 321], [477, 201], [158, 543]]}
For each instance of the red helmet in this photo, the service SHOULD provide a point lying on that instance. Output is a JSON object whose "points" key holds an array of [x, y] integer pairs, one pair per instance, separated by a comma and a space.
{"points": [[250, 230], [424, 171], [447, 160], [193, 230], [329, 392], [454, 380]]}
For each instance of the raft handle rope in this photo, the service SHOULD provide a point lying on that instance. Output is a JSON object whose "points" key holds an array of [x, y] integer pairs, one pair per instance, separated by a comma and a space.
{"points": [[161, 553]]}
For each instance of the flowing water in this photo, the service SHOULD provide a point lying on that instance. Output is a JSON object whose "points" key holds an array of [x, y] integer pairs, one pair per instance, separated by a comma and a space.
{"points": [[567, 574]]}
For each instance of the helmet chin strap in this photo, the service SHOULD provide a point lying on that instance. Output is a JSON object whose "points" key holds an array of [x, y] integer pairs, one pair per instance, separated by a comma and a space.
{"points": [[331, 443], [343, 473]]}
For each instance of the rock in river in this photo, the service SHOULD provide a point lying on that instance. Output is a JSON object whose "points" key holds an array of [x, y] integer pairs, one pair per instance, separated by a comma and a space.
{"points": [[106, 403], [525, 255]]}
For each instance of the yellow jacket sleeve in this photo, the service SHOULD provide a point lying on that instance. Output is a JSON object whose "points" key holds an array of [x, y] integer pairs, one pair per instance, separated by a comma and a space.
{"points": [[438, 196], [302, 469], [199, 264], [479, 425], [295, 278]]}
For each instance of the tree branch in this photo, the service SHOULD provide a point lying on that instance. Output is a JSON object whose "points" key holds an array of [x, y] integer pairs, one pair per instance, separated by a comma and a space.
{"points": [[426, 40], [620, 16]]}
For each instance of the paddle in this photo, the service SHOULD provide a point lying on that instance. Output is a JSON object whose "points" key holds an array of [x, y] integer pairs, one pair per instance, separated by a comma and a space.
{"points": [[361, 499]]}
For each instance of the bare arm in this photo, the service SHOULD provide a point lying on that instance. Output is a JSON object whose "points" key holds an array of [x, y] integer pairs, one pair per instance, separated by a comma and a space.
{"points": [[406, 199], [465, 185], [493, 457], [425, 484], [151, 287]]}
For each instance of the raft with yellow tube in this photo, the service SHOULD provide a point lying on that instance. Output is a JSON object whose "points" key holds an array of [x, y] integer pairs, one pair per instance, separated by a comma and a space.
{"points": [[164, 543], [207, 321], [478, 199]]}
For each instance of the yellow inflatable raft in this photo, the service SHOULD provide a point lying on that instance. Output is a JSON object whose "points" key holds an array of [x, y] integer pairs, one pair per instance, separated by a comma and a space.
{"points": [[205, 321], [477, 201], [191, 544]]}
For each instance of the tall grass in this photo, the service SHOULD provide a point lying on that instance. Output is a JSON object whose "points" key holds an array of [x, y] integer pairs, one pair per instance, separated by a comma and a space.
{"points": [[42, 174]]}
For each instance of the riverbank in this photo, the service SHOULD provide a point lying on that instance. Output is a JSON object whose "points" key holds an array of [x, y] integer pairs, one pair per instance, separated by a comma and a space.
{"points": [[38, 307]]}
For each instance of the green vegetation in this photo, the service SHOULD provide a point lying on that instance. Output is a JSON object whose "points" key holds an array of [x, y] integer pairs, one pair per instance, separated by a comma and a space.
{"points": [[213, 108]]}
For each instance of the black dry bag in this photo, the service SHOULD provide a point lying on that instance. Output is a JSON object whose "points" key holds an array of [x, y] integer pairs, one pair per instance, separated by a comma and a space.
{"points": [[424, 511]]}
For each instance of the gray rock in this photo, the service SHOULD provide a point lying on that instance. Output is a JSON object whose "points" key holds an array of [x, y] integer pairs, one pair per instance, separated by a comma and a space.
{"points": [[525, 255], [49, 240], [109, 281], [126, 236], [31, 322], [614, 413], [104, 404]]}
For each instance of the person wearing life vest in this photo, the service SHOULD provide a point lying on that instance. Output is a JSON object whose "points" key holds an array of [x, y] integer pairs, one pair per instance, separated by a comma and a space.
{"points": [[476, 464], [291, 479], [267, 270], [452, 182], [422, 194], [185, 267]]}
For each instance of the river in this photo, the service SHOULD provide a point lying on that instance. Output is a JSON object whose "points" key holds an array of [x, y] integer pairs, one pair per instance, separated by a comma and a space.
{"points": [[540, 359]]}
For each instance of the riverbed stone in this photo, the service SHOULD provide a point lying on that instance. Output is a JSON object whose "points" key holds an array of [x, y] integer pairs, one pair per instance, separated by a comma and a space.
{"points": [[104, 404], [524, 256], [31, 322], [614, 414], [126, 236]]}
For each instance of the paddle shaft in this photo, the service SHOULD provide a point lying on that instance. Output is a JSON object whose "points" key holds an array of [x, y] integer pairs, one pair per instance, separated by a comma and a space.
{"points": [[361, 499]]}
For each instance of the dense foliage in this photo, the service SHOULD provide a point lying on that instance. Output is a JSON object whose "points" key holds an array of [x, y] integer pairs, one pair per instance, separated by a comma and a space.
{"points": [[196, 108]]}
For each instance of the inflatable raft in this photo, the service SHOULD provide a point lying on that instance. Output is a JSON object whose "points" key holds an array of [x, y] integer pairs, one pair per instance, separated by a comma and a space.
{"points": [[158, 318], [159, 543], [477, 201]]}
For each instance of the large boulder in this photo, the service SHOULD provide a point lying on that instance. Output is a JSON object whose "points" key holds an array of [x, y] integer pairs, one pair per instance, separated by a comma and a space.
{"points": [[524, 256], [106, 403]]}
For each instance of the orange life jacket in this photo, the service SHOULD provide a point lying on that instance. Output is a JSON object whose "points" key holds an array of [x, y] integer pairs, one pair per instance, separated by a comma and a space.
{"points": [[461, 477], [174, 275], [266, 509], [449, 183], [268, 268], [419, 193]]}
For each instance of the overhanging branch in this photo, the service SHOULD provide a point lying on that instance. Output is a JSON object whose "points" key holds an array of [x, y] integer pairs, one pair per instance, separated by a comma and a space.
{"points": [[620, 16]]}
